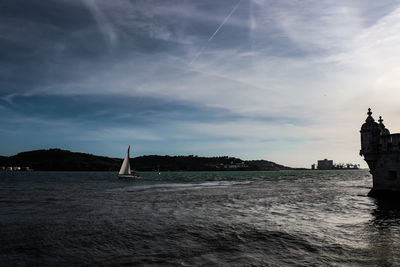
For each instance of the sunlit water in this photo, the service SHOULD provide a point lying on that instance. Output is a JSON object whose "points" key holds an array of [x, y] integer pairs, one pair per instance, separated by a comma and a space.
{"points": [[310, 218]]}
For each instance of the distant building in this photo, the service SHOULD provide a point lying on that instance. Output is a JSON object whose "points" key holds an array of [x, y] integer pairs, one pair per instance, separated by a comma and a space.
{"points": [[325, 164], [15, 168], [234, 165]]}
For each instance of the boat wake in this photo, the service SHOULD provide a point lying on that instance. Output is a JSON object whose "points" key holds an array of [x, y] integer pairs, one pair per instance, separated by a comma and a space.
{"points": [[181, 186]]}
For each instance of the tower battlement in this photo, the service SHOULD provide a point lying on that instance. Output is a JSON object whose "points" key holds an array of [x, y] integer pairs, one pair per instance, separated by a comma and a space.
{"points": [[381, 151]]}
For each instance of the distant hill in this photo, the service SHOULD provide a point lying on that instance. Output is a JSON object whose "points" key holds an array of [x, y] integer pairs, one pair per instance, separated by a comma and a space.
{"points": [[3, 161], [64, 160], [195, 163]]}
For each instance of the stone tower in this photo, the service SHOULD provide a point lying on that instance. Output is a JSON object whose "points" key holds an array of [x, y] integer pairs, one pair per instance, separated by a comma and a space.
{"points": [[381, 151]]}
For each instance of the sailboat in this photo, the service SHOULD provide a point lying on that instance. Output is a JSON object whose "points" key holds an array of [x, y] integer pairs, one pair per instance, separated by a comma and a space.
{"points": [[125, 172]]}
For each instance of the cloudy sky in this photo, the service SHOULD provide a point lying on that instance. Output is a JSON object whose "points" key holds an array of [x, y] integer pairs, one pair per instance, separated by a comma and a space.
{"points": [[288, 81]]}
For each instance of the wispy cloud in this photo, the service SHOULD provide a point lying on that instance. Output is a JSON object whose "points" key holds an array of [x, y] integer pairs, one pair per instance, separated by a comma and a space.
{"points": [[124, 134], [105, 26]]}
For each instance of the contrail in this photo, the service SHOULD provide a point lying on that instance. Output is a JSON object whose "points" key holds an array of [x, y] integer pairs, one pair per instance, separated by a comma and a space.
{"points": [[216, 31], [225, 20]]}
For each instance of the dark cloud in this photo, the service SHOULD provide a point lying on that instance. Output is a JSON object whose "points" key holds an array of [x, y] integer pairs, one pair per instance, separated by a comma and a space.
{"points": [[117, 110], [110, 109]]}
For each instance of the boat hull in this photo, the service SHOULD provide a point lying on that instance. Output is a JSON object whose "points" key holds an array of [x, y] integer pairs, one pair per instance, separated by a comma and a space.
{"points": [[128, 176]]}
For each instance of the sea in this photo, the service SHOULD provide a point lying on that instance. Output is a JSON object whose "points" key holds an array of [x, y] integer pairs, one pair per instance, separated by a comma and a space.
{"points": [[266, 218]]}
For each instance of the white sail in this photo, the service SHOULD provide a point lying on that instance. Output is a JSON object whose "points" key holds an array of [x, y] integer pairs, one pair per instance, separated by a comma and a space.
{"points": [[126, 167]]}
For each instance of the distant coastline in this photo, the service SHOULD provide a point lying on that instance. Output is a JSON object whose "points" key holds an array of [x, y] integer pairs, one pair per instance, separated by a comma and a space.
{"points": [[63, 160]]}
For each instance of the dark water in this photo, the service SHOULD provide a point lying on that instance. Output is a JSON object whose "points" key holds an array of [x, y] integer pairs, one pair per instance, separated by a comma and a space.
{"points": [[203, 218]]}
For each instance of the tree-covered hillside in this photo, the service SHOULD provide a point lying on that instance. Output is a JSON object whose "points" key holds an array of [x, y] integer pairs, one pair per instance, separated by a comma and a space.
{"points": [[64, 160]]}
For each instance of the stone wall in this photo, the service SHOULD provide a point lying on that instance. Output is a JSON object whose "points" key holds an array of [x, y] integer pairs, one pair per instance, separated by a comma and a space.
{"points": [[387, 172]]}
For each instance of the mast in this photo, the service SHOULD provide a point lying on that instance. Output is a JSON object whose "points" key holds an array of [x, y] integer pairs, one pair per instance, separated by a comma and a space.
{"points": [[126, 167]]}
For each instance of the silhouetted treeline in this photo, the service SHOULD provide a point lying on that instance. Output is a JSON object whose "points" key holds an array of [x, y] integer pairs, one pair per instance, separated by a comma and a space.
{"points": [[195, 163], [64, 160], [3, 160]]}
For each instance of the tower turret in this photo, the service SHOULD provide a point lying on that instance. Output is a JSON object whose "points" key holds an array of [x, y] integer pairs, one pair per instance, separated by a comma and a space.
{"points": [[370, 134], [384, 130]]}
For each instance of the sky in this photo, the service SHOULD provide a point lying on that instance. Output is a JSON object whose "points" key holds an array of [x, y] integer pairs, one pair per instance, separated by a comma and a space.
{"points": [[286, 81]]}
